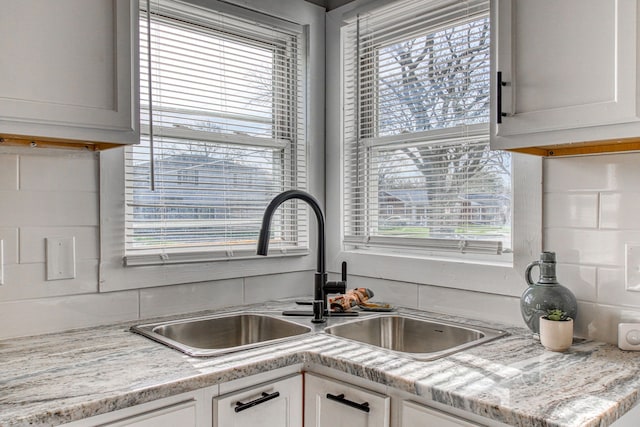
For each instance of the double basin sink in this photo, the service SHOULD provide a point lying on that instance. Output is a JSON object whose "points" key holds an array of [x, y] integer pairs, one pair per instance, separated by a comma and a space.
{"points": [[417, 337]]}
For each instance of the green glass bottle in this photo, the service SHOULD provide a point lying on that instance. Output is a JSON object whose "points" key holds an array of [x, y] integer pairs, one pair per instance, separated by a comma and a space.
{"points": [[545, 294]]}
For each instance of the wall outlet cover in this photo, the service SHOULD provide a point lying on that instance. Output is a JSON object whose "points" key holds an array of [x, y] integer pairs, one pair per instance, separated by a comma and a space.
{"points": [[629, 336], [61, 258]]}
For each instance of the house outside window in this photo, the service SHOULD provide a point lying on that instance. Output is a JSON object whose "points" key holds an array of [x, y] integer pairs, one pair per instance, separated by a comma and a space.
{"points": [[418, 171]]}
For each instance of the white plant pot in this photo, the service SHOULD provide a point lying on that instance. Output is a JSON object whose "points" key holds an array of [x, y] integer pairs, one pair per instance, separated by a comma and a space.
{"points": [[556, 335]]}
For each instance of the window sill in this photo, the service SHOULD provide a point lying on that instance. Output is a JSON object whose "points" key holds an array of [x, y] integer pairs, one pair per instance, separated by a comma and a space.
{"points": [[168, 258], [504, 260]]}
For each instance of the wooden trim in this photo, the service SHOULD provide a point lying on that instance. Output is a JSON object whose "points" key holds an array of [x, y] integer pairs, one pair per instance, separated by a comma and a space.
{"points": [[582, 148], [44, 142]]}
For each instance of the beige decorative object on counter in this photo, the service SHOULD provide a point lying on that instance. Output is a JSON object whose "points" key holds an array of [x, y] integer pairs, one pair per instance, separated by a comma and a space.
{"points": [[350, 299], [556, 331]]}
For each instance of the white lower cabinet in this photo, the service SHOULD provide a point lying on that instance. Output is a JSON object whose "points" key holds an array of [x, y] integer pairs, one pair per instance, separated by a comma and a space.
{"points": [[287, 398], [274, 404], [183, 414], [414, 414], [332, 403], [184, 410]]}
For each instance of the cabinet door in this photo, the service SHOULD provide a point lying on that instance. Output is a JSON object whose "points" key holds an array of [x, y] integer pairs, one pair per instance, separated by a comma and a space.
{"points": [[183, 415], [330, 403], [274, 404], [414, 415], [181, 410], [567, 64], [68, 70]]}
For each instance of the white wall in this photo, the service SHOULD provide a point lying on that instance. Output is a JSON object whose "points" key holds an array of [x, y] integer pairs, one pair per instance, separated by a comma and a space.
{"points": [[591, 212]]}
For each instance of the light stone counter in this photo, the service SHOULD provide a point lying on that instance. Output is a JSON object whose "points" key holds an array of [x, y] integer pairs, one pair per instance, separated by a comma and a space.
{"points": [[57, 378]]}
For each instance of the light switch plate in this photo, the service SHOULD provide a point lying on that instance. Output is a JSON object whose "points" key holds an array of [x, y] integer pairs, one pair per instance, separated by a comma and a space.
{"points": [[629, 336], [632, 267], [61, 258]]}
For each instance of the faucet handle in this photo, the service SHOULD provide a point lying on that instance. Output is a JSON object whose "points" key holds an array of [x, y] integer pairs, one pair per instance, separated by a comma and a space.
{"points": [[335, 287], [344, 271]]}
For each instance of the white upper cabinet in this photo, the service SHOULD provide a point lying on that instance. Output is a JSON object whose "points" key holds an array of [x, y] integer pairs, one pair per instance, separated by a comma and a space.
{"points": [[569, 72], [68, 71]]}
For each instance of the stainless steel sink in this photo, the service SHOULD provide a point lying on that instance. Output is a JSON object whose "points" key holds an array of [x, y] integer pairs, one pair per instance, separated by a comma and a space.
{"points": [[215, 335], [420, 338]]}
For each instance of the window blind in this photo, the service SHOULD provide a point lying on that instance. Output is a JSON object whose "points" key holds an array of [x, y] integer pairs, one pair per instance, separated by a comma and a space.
{"points": [[222, 120], [418, 172]]}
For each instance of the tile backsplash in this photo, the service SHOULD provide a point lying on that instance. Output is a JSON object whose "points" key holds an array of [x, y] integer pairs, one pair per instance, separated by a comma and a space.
{"points": [[55, 193], [590, 210]]}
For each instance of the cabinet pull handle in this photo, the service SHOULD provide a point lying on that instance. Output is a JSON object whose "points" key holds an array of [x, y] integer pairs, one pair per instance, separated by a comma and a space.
{"points": [[265, 397], [340, 399], [499, 97]]}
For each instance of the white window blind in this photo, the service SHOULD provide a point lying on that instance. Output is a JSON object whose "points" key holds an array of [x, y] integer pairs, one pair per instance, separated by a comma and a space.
{"points": [[418, 172], [222, 119]]}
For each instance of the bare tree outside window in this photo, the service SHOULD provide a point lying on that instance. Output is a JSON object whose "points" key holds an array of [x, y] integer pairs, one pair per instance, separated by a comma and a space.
{"points": [[413, 90]]}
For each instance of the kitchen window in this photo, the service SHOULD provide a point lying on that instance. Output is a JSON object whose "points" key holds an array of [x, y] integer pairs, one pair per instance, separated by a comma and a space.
{"points": [[378, 223], [217, 151], [223, 132], [418, 172]]}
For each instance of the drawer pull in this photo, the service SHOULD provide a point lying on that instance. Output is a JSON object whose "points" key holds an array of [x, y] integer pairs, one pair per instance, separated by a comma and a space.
{"points": [[265, 397], [340, 399]]}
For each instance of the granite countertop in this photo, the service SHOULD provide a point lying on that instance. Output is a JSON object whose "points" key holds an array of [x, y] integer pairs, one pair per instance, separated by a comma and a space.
{"points": [[57, 378]]}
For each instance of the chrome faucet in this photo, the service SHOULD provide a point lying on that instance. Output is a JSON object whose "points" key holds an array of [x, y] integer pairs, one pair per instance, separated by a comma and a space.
{"points": [[321, 287]]}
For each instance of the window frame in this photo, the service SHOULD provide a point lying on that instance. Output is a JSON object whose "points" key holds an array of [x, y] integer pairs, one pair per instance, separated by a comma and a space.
{"points": [[249, 30], [500, 275], [367, 138], [114, 276]]}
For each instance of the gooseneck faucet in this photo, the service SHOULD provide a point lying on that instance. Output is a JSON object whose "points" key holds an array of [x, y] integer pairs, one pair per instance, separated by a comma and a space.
{"points": [[320, 284]]}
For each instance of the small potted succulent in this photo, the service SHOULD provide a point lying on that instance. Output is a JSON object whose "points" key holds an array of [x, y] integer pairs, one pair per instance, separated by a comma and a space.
{"points": [[556, 330]]}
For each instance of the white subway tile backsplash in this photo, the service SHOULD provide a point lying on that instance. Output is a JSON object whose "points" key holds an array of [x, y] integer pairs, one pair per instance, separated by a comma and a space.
{"points": [[590, 212], [396, 293], [274, 286], [571, 185], [476, 305], [10, 246], [620, 211], [587, 324], [25, 281], [572, 210], [32, 242], [613, 172], [49, 208], [589, 247], [612, 289], [190, 297], [600, 321], [8, 173], [37, 316], [69, 171], [580, 279], [576, 174]]}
